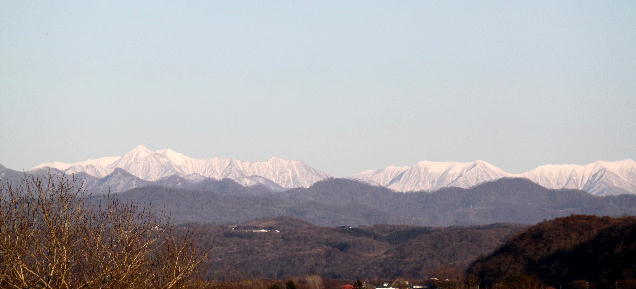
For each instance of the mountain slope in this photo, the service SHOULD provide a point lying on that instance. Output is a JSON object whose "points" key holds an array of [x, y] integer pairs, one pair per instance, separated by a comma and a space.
{"points": [[599, 178], [120, 181], [336, 202], [559, 252], [151, 165], [292, 247], [429, 176]]}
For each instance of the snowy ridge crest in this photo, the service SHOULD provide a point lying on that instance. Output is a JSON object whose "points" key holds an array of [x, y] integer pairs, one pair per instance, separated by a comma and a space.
{"points": [[152, 165], [598, 178], [430, 176]]}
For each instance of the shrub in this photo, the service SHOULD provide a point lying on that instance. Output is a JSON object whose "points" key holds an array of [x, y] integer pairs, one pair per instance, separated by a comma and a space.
{"points": [[51, 237]]}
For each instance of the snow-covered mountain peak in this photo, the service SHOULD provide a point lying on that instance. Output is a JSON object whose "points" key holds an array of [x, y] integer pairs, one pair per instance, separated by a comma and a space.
{"points": [[57, 165], [380, 177], [599, 177], [436, 166], [455, 166], [175, 157], [285, 162], [489, 166], [626, 164], [169, 152], [430, 175], [140, 151], [276, 159], [150, 165], [94, 167]]}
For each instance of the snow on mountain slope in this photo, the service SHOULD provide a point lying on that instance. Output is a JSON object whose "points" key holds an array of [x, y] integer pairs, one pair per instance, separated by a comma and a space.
{"points": [[599, 178], [429, 176], [152, 165], [96, 167], [381, 177]]}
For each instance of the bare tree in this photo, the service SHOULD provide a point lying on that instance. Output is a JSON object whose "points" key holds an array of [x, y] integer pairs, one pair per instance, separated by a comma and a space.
{"points": [[50, 237]]}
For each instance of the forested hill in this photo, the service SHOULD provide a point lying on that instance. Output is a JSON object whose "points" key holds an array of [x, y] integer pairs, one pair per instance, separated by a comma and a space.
{"points": [[282, 247], [567, 253]]}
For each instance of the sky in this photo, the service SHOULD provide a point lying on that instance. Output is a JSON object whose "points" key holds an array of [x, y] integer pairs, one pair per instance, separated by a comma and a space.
{"points": [[344, 86]]}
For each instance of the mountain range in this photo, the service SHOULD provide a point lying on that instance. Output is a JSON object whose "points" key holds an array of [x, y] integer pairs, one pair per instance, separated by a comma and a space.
{"points": [[333, 202], [151, 165], [598, 178], [145, 165]]}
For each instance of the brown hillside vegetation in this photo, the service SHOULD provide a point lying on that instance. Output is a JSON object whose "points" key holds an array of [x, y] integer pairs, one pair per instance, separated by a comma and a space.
{"points": [[49, 238], [571, 252], [283, 247]]}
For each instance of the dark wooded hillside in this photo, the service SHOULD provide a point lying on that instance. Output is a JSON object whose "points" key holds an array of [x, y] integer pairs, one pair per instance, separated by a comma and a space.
{"points": [[598, 250], [283, 247]]}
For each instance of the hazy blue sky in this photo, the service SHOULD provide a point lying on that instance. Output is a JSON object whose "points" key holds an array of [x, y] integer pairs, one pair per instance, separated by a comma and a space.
{"points": [[342, 85]]}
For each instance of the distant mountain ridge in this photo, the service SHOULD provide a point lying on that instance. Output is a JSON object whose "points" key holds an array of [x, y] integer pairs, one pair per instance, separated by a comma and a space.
{"points": [[600, 178], [151, 165], [430, 176], [333, 202]]}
